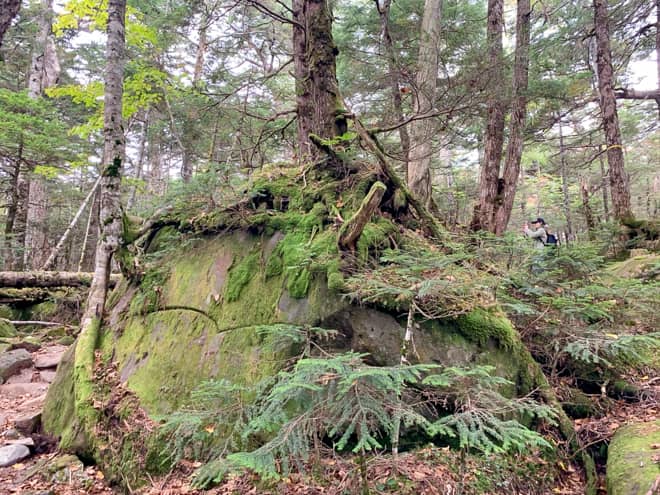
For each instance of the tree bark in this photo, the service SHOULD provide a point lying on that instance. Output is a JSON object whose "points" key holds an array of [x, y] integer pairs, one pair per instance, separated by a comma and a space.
{"points": [[504, 204], [394, 75], [564, 184], [619, 186], [586, 209], [483, 218], [88, 248], [12, 208], [423, 130], [8, 10], [317, 93], [50, 261], [352, 230], [113, 158], [603, 177], [43, 279], [44, 72]]}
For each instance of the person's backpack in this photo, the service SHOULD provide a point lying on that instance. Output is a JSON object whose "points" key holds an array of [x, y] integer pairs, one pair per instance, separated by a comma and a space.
{"points": [[551, 239]]}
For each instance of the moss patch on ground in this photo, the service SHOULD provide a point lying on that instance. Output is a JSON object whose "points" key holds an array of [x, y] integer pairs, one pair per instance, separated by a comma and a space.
{"points": [[631, 467]]}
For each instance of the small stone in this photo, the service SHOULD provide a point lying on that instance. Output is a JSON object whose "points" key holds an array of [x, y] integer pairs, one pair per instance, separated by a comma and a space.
{"points": [[11, 362], [12, 434], [47, 376], [28, 442], [15, 390], [28, 423], [51, 358], [11, 454]]}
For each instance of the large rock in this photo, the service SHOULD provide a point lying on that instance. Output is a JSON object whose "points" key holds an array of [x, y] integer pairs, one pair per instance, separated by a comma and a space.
{"points": [[632, 459], [198, 317], [11, 454], [12, 362]]}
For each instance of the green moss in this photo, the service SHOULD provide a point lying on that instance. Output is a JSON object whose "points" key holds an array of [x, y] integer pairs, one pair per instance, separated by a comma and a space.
{"points": [[577, 404], [147, 299], [481, 325], [631, 469], [273, 266], [240, 275], [375, 234], [6, 312], [7, 329], [298, 283], [131, 227]]}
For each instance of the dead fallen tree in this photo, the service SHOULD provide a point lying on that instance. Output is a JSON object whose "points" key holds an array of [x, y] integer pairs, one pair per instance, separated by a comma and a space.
{"points": [[44, 279]]}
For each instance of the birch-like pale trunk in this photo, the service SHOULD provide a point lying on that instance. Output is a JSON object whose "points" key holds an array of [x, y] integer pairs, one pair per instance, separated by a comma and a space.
{"points": [[619, 186], [423, 130], [113, 161], [44, 72], [504, 204], [88, 248], [50, 261], [483, 217]]}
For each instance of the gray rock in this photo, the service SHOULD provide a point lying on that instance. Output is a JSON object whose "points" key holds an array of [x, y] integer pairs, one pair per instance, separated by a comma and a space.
{"points": [[28, 423], [12, 434], [11, 454], [50, 358], [16, 390], [28, 442], [12, 362]]}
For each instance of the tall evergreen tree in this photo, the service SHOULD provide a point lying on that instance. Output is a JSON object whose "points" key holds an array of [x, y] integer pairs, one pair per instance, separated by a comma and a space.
{"points": [[619, 184]]}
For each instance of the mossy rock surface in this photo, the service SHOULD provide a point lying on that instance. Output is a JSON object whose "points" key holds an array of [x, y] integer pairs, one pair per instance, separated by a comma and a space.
{"points": [[631, 465], [195, 317]]}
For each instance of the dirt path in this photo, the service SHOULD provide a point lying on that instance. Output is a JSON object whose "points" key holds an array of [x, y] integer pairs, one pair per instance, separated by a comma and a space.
{"points": [[45, 471]]}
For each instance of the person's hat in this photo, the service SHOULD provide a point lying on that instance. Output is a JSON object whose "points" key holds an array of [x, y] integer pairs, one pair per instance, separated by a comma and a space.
{"points": [[538, 220]]}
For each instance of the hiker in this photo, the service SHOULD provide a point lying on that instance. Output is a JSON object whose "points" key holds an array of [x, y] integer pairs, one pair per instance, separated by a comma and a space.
{"points": [[537, 233]]}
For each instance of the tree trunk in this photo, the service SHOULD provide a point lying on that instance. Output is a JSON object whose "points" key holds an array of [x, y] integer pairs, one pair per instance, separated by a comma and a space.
{"points": [[657, 49], [564, 184], [586, 209], [142, 152], [8, 10], [43, 279], [12, 208], [423, 130], [50, 261], [88, 248], [394, 75], [155, 182], [504, 204], [619, 186], [44, 72], [606, 201], [113, 158], [317, 93], [36, 233], [483, 218]]}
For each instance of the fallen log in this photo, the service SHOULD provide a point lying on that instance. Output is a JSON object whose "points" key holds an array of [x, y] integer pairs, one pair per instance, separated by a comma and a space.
{"points": [[352, 230], [37, 278]]}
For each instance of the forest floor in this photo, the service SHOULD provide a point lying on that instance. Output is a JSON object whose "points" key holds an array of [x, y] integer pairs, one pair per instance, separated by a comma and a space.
{"points": [[428, 471]]}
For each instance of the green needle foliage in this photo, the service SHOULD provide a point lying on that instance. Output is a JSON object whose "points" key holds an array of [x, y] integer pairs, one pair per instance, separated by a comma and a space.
{"points": [[342, 402]]}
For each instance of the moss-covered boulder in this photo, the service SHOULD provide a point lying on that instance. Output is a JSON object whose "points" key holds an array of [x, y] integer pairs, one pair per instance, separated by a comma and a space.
{"points": [[632, 466], [198, 317], [203, 289]]}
